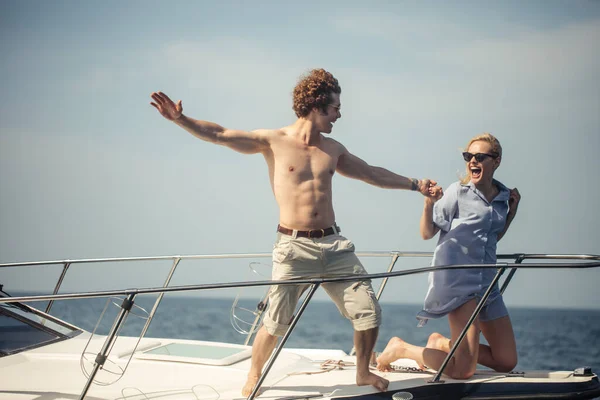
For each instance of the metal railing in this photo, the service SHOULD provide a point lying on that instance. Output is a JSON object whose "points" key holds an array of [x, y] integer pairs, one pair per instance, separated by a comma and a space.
{"points": [[582, 261]]}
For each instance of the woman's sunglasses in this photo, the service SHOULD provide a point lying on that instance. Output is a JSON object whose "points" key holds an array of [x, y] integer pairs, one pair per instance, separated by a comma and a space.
{"points": [[479, 157]]}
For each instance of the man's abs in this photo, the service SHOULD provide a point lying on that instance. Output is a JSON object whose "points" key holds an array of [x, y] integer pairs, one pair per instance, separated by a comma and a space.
{"points": [[306, 206]]}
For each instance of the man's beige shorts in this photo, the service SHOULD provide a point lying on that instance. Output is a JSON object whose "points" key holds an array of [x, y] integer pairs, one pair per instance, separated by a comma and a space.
{"points": [[330, 256]]}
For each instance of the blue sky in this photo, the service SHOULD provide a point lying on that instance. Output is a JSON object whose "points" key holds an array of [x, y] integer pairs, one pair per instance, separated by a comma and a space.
{"points": [[89, 169]]}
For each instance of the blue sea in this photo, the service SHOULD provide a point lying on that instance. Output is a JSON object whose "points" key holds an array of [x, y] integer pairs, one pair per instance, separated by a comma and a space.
{"points": [[547, 339]]}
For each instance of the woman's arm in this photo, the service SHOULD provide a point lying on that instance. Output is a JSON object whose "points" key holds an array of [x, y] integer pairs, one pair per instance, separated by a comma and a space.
{"points": [[513, 204]]}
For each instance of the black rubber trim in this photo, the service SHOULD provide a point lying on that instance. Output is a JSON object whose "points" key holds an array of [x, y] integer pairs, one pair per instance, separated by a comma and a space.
{"points": [[493, 391]]}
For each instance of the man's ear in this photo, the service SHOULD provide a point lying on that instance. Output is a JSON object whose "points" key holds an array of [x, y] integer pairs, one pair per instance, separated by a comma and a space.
{"points": [[319, 111]]}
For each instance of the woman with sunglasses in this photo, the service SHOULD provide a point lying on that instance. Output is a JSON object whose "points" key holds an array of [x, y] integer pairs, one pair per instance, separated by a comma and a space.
{"points": [[472, 215]]}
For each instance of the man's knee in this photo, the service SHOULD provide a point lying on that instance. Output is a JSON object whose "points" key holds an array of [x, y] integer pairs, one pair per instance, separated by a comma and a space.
{"points": [[367, 322], [274, 328], [264, 331], [364, 311]]}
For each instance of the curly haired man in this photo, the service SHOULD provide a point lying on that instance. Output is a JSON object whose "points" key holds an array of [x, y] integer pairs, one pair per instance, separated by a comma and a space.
{"points": [[301, 160]]}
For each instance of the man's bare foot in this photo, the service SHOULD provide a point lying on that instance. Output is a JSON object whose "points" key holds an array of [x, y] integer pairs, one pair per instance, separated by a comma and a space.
{"points": [[249, 386], [393, 351], [370, 378]]}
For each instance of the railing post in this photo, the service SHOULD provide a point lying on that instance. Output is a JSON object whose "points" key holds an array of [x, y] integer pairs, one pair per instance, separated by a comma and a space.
{"points": [[436, 378], [384, 280], [512, 272], [160, 296], [262, 306], [58, 284], [103, 354], [284, 339]]}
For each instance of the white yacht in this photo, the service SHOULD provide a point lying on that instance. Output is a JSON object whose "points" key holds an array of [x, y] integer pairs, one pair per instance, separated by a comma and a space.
{"points": [[45, 358]]}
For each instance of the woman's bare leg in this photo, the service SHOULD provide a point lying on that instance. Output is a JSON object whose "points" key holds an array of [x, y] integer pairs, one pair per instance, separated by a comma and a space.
{"points": [[464, 362], [501, 353]]}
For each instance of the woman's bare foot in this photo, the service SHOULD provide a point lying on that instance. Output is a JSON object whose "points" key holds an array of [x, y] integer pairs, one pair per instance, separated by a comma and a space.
{"points": [[249, 386], [374, 380], [438, 342], [393, 351]]}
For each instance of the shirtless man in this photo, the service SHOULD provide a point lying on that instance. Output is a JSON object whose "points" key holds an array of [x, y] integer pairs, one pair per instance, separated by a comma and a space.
{"points": [[301, 162]]}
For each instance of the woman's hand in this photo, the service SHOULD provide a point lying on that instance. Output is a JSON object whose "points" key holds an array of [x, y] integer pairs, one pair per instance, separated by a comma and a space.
{"points": [[513, 202], [434, 194]]}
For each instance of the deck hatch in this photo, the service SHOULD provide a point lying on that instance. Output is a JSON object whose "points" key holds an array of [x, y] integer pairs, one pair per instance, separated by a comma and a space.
{"points": [[204, 353]]}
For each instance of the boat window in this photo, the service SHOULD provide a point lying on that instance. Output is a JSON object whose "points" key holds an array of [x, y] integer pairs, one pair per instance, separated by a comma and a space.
{"points": [[22, 329], [29, 314]]}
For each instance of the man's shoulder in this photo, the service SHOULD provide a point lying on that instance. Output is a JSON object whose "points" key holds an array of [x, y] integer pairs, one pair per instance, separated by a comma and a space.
{"points": [[334, 143], [332, 140]]}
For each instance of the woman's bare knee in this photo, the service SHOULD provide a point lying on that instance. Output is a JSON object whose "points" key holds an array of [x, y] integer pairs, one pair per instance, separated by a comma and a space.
{"points": [[506, 365], [462, 373], [463, 368]]}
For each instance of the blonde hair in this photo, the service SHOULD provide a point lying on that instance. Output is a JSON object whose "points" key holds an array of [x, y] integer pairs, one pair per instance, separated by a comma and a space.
{"points": [[484, 137]]}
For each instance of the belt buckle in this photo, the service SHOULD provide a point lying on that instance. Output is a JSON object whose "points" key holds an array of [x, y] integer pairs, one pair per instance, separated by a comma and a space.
{"points": [[316, 230]]}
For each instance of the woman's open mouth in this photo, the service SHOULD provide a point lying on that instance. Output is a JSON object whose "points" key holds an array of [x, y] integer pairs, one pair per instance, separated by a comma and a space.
{"points": [[475, 173]]}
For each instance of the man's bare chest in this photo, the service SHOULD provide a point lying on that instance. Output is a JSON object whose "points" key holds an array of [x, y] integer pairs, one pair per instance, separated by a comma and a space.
{"points": [[305, 164]]}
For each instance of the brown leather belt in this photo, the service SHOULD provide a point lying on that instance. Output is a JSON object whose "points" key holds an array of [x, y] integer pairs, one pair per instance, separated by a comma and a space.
{"points": [[313, 234]]}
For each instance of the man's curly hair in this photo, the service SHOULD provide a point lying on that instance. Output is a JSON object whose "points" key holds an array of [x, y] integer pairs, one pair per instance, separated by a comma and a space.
{"points": [[313, 91]]}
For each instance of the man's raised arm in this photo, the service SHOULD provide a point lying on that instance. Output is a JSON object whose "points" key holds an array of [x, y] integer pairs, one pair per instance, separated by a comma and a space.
{"points": [[351, 166], [241, 141]]}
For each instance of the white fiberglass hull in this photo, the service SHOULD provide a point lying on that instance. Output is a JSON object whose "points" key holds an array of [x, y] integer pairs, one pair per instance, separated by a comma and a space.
{"points": [[57, 372]]}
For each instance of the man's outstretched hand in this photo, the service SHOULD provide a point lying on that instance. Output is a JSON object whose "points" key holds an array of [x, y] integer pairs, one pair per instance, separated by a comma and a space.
{"points": [[166, 107]]}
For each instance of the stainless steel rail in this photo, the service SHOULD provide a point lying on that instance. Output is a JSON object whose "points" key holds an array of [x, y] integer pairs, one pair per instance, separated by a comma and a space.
{"points": [[584, 261], [176, 259], [228, 285], [200, 257]]}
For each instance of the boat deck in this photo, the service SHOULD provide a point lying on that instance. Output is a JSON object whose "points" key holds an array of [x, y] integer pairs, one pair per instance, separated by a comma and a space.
{"points": [[296, 374]]}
